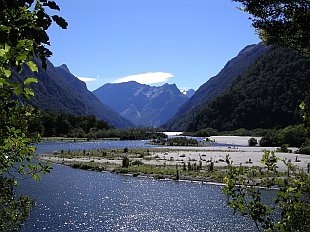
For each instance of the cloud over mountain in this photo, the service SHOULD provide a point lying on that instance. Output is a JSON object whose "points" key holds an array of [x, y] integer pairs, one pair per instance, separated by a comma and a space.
{"points": [[146, 78], [87, 79]]}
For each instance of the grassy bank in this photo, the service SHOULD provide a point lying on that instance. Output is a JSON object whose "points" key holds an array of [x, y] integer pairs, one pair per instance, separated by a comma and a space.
{"points": [[156, 163]]}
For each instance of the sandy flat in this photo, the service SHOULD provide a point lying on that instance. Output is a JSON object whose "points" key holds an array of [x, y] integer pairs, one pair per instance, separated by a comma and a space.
{"points": [[233, 140], [245, 156], [236, 148]]}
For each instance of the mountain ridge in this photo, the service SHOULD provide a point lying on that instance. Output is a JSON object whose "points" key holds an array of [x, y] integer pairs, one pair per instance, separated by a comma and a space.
{"points": [[266, 95], [216, 84], [59, 90], [144, 105]]}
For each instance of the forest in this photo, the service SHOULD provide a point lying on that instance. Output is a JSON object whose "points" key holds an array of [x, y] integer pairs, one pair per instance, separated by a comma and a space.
{"points": [[57, 124], [266, 96]]}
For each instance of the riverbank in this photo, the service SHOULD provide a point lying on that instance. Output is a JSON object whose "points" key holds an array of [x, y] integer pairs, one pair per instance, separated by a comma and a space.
{"points": [[189, 163], [69, 139]]}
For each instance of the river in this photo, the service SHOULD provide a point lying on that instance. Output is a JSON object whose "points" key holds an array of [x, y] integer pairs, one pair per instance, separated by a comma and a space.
{"points": [[69, 199]]}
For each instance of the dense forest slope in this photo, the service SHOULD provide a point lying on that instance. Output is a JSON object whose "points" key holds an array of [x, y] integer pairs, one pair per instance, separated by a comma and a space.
{"points": [[266, 95], [59, 90], [216, 85], [144, 105]]}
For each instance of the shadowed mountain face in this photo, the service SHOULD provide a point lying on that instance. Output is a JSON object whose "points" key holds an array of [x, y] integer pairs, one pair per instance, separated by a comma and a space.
{"points": [[216, 85], [144, 105], [59, 90], [266, 95]]}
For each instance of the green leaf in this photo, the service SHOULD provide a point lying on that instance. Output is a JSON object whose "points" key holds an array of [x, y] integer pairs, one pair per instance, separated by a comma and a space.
{"points": [[60, 21], [28, 92], [52, 5], [3, 82], [36, 177], [7, 73], [30, 80], [4, 48], [2, 52], [17, 91], [291, 189], [33, 67], [5, 28]]}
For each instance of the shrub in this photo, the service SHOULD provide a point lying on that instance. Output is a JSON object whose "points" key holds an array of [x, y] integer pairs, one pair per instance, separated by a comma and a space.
{"points": [[284, 148], [177, 141], [294, 136], [159, 177], [125, 162], [241, 132], [305, 149], [137, 162], [269, 140], [207, 132], [252, 142], [260, 132]]}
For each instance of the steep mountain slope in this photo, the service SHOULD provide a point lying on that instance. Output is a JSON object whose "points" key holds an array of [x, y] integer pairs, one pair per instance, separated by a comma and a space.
{"points": [[59, 90], [144, 105], [266, 95], [216, 85]]}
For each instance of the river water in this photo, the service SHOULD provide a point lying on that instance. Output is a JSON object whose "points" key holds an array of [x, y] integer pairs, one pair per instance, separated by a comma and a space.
{"points": [[69, 199]]}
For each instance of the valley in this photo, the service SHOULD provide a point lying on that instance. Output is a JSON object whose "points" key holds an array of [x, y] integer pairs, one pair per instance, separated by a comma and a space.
{"points": [[154, 115]]}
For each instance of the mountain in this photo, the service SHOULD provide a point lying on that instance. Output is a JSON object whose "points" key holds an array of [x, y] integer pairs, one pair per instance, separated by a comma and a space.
{"points": [[59, 90], [144, 105], [216, 85], [188, 92], [267, 95]]}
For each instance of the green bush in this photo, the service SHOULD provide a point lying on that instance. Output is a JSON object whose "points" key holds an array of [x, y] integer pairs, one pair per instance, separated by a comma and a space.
{"points": [[207, 132], [293, 136], [284, 148], [177, 141], [252, 142], [137, 162], [269, 140], [305, 149]]}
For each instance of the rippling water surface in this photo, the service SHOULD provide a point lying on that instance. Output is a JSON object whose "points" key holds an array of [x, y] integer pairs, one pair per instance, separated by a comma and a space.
{"points": [[76, 200]]}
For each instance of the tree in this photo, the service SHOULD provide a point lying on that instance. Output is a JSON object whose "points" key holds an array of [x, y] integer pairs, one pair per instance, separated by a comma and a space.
{"points": [[23, 26], [281, 22], [252, 142], [292, 199]]}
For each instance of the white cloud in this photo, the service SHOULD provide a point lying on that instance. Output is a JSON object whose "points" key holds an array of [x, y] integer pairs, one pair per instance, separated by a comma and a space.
{"points": [[87, 79], [146, 78]]}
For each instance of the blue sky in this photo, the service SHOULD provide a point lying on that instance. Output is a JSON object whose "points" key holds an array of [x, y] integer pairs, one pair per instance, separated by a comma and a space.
{"points": [[175, 41]]}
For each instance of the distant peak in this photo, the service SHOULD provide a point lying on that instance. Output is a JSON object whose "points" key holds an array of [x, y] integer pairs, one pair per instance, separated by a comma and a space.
{"points": [[132, 82], [188, 92], [64, 67], [250, 48], [172, 85], [129, 83]]}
